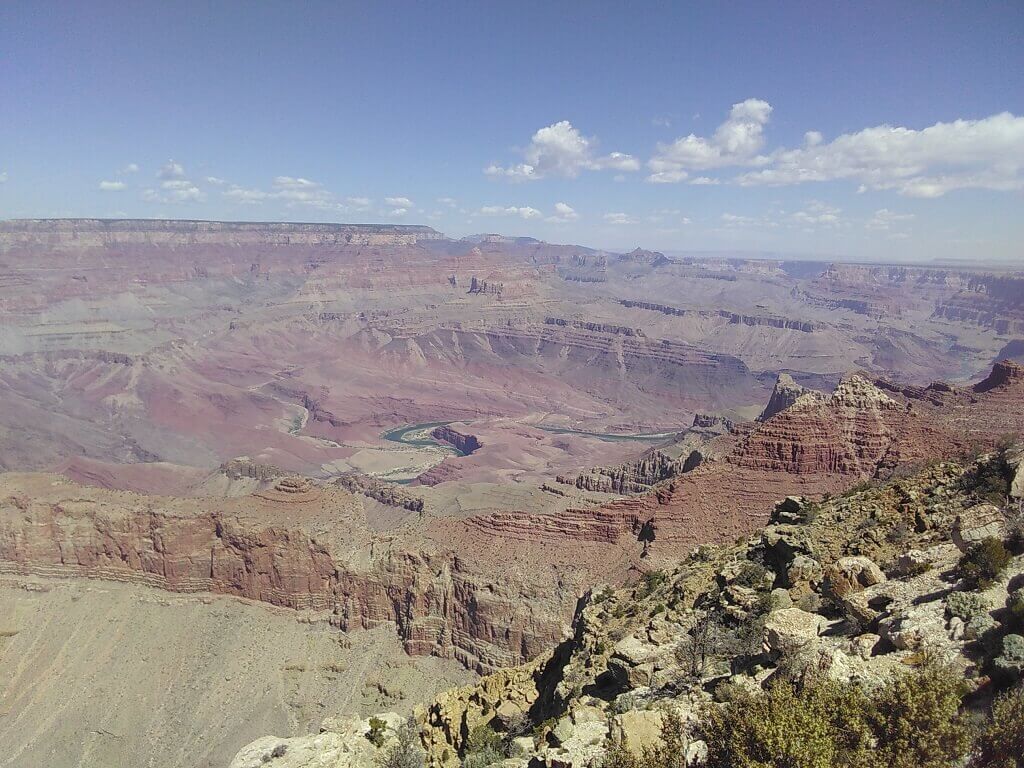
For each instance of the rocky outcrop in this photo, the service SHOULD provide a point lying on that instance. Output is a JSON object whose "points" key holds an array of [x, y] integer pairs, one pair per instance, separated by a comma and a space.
{"points": [[732, 317], [244, 467], [596, 327], [785, 393], [724, 620], [295, 546], [631, 477], [386, 493], [462, 442]]}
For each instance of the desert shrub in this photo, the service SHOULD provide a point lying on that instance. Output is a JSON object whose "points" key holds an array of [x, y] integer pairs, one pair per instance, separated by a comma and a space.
{"points": [[989, 480], [917, 720], [1015, 606], [1000, 742], [618, 756], [819, 726], [377, 730], [965, 605], [984, 562], [651, 581], [751, 575], [671, 752], [406, 751], [483, 747], [912, 722]]}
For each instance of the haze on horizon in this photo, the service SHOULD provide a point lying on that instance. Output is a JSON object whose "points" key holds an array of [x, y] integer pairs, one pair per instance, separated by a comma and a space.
{"points": [[867, 133]]}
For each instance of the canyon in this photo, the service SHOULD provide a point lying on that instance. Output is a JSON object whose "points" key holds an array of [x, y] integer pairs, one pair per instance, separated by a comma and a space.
{"points": [[377, 431]]}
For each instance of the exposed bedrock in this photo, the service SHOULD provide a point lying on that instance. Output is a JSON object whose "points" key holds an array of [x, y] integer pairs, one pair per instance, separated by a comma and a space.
{"points": [[462, 442], [630, 477], [785, 393], [436, 603]]}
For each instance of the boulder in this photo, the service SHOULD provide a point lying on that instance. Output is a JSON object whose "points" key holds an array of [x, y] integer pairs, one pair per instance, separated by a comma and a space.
{"points": [[1015, 460], [790, 629], [913, 562], [632, 662], [641, 729], [980, 522], [848, 575], [863, 645], [803, 570], [790, 510]]}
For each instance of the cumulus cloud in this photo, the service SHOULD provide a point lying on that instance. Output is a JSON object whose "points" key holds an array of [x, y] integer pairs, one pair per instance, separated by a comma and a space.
{"points": [[358, 203], [564, 213], [963, 154], [884, 219], [737, 141], [3, 177], [294, 191], [561, 150], [398, 202], [215, 181], [817, 213], [174, 187], [523, 212], [130, 168], [396, 213], [451, 202], [171, 170], [619, 218], [111, 186]]}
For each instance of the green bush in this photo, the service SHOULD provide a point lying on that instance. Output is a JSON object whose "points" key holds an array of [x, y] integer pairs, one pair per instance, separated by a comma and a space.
{"points": [[618, 756], [1000, 742], [819, 726], [483, 747], [917, 720], [913, 722], [377, 730], [406, 751], [984, 563], [965, 605]]}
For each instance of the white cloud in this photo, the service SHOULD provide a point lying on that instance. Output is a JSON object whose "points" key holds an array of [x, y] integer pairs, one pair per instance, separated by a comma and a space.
{"points": [[451, 202], [175, 186], [817, 214], [359, 203], [564, 213], [735, 142], [561, 150], [523, 212], [963, 154], [619, 218], [243, 195], [701, 181], [215, 181], [3, 177], [398, 202], [884, 219], [130, 168], [397, 212], [171, 170], [112, 186]]}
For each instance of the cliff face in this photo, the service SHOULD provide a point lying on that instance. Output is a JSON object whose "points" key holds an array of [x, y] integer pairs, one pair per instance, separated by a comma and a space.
{"points": [[279, 548], [628, 478], [464, 443]]}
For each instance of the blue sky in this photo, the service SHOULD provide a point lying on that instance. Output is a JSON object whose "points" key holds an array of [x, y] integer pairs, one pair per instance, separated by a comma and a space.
{"points": [[866, 130]]}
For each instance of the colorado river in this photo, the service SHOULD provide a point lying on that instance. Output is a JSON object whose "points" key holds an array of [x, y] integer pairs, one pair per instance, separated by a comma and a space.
{"points": [[418, 436]]}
